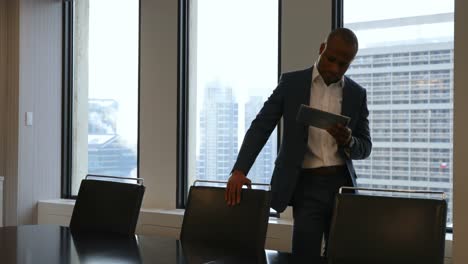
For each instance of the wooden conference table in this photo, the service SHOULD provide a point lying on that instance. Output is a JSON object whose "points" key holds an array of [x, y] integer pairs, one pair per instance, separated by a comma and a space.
{"points": [[51, 244]]}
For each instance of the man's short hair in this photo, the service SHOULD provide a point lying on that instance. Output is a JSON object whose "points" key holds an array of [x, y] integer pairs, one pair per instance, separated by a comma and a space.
{"points": [[345, 34]]}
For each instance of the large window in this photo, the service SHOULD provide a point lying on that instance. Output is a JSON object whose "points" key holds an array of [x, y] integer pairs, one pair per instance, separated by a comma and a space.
{"points": [[102, 89], [232, 69], [405, 61]]}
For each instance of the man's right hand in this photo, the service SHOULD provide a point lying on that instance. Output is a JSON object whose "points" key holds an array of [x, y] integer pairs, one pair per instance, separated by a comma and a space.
{"points": [[234, 187]]}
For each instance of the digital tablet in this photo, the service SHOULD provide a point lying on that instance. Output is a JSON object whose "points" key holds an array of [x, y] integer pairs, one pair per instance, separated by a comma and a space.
{"points": [[320, 119]]}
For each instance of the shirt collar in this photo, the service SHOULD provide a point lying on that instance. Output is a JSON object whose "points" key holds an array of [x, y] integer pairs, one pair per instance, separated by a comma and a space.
{"points": [[316, 74]]}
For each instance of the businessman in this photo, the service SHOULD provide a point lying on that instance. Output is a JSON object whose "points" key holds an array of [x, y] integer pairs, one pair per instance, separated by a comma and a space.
{"points": [[312, 163]]}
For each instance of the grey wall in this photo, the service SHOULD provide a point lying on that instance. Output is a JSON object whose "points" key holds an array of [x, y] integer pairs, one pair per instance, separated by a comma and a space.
{"points": [[10, 116], [32, 158], [158, 102], [460, 145], [3, 81], [40, 92], [3, 88], [305, 24]]}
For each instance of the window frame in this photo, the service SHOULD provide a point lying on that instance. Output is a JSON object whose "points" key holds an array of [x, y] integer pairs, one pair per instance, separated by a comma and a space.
{"points": [[337, 22], [67, 97], [183, 103]]}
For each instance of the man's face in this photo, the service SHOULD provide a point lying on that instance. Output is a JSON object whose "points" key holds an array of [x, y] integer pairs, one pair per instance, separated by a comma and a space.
{"points": [[335, 58]]}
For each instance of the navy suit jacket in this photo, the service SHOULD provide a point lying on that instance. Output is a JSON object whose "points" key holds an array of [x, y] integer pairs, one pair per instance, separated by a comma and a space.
{"points": [[293, 90]]}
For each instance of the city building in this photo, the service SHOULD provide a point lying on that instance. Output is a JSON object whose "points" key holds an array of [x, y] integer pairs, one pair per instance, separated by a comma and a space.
{"points": [[108, 153], [218, 133], [410, 98]]}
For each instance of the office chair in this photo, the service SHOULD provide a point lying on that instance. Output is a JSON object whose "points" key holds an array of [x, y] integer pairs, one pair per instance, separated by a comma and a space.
{"points": [[209, 221], [107, 206], [375, 229]]}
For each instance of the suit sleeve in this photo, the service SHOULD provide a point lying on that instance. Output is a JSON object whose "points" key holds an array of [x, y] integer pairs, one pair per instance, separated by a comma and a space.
{"points": [[362, 146], [261, 128]]}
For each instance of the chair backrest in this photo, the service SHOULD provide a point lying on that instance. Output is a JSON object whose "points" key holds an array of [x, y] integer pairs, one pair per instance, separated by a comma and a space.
{"points": [[107, 206], [208, 220], [376, 229]]}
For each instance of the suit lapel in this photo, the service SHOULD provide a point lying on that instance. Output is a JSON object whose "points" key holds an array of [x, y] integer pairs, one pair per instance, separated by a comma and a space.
{"points": [[305, 95], [346, 103], [306, 87]]}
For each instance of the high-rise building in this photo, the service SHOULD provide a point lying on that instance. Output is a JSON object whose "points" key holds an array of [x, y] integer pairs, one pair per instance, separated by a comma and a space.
{"points": [[410, 97], [263, 167], [108, 154], [218, 133]]}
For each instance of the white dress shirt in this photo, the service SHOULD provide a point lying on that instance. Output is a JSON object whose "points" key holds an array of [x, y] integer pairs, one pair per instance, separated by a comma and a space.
{"points": [[322, 148]]}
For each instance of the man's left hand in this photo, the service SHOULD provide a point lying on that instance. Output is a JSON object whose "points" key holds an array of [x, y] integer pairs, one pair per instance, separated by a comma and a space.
{"points": [[341, 134]]}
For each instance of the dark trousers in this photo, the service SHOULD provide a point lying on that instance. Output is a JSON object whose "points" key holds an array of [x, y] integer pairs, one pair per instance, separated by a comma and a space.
{"points": [[312, 207]]}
